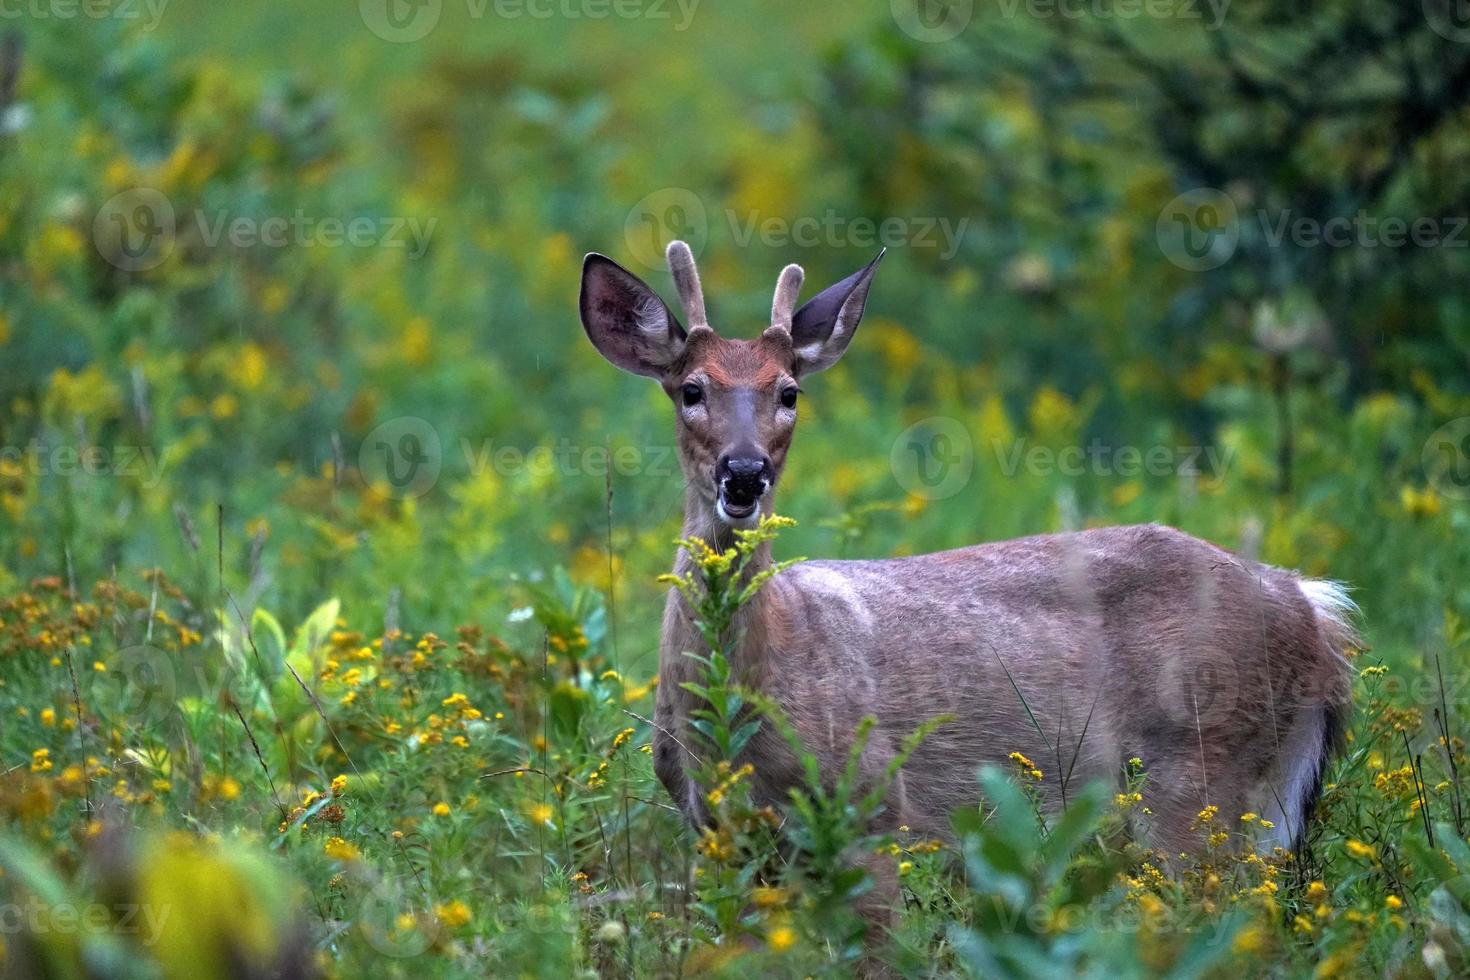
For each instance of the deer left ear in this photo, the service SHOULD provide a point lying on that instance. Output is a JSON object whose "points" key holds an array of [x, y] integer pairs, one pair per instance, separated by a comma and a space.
{"points": [[822, 329], [626, 321]]}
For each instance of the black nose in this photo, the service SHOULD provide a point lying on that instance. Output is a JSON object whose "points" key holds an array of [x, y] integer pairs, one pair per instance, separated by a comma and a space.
{"points": [[746, 471]]}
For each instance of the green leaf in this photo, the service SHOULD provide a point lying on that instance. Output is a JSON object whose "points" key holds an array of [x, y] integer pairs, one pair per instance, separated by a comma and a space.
{"points": [[1072, 828], [270, 641], [306, 648], [742, 735], [1015, 819], [568, 705]]}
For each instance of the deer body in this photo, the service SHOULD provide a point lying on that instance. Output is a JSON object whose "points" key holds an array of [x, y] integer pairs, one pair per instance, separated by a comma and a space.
{"points": [[1124, 642], [1080, 651]]}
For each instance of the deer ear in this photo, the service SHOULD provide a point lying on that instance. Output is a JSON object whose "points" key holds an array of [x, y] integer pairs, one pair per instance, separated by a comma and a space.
{"points": [[822, 329], [626, 321]]}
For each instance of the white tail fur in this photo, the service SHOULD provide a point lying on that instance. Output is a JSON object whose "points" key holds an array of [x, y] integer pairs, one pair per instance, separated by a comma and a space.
{"points": [[1305, 750]]}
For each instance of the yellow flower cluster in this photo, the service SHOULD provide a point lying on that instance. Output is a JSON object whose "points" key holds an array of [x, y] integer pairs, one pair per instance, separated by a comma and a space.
{"points": [[1025, 766], [717, 845], [722, 789]]}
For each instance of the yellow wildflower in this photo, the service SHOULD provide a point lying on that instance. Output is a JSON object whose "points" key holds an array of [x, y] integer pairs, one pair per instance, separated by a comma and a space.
{"points": [[766, 898], [781, 938], [1024, 764], [340, 850], [453, 914]]}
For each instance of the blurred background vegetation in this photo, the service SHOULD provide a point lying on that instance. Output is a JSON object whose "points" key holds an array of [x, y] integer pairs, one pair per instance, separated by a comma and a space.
{"points": [[1030, 161], [1101, 230]]}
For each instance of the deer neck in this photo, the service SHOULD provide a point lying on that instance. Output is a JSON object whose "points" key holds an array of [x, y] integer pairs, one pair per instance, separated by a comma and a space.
{"points": [[700, 522]]}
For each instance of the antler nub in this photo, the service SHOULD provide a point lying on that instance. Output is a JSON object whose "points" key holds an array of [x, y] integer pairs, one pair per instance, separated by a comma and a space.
{"points": [[788, 287], [686, 280]]}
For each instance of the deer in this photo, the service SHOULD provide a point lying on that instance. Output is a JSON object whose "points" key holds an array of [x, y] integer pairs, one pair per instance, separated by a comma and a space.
{"points": [[1228, 678]]}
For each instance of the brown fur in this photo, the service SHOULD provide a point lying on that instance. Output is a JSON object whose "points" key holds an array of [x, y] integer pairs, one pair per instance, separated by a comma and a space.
{"points": [[1153, 643]]}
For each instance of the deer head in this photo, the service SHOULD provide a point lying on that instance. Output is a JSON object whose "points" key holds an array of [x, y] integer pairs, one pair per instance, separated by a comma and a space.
{"points": [[734, 400]]}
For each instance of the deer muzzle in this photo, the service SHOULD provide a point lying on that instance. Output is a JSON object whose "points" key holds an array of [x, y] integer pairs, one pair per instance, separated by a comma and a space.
{"points": [[742, 479]]}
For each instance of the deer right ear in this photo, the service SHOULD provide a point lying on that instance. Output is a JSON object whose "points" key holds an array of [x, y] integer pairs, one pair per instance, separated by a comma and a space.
{"points": [[822, 329], [626, 321]]}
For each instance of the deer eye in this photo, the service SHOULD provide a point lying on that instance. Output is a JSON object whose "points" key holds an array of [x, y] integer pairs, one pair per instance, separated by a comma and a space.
{"points": [[693, 394], [788, 397]]}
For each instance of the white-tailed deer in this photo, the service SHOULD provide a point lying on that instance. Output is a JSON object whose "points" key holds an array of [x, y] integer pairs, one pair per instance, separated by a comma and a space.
{"points": [[1226, 677]]}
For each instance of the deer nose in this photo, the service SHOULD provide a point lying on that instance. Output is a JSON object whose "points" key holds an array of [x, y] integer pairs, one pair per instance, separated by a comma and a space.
{"points": [[747, 470]]}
